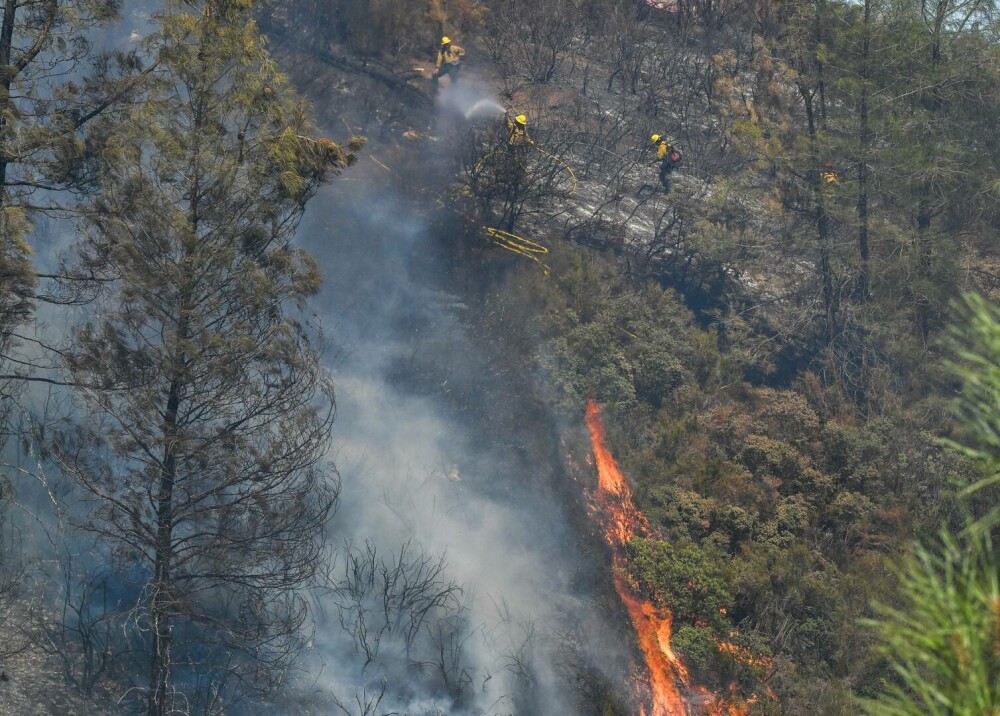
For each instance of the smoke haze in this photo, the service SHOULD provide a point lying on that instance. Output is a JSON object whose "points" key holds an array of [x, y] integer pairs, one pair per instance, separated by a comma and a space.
{"points": [[416, 471], [429, 478]]}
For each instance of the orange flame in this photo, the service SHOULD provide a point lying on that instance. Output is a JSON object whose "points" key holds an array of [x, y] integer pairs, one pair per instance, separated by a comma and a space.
{"points": [[620, 520], [744, 655]]}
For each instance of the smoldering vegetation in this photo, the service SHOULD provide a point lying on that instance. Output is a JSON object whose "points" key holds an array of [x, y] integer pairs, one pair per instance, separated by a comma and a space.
{"points": [[458, 588], [452, 582]]}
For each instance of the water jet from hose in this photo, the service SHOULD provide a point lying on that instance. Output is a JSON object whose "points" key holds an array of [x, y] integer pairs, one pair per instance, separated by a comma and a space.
{"points": [[483, 107]]}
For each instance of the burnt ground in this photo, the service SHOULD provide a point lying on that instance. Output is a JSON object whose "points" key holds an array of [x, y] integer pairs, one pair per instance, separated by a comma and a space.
{"points": [[525, 457], [32, 681], [533, 460]]}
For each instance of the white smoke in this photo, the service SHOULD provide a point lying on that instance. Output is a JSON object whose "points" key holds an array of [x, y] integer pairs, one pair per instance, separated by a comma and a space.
{"points": [[413, 476]]}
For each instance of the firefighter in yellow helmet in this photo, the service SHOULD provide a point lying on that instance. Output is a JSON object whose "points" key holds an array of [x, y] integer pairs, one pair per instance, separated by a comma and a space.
{"points": [[669, 158], [517, 130], [449, 61]]}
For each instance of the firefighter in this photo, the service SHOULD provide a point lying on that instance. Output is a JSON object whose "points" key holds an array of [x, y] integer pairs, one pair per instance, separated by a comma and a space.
{"points": [[669, 158], [828, 175], [517, 130], [449, 61]]}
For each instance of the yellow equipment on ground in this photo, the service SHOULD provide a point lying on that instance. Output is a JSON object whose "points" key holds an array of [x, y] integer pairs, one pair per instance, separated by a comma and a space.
{"points": [[519, 245]]}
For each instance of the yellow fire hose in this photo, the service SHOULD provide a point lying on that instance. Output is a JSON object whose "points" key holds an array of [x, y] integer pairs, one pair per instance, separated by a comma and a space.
{"points": [[519, 245], [504, 239], [475, 169], [572, 174]]}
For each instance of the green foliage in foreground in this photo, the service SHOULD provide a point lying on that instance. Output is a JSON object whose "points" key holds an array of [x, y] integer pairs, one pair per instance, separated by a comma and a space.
{"points": [[944, 639], [978, 348]]}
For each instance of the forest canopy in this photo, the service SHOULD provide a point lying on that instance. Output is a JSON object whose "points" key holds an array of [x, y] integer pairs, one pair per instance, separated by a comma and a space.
{"points": [[792, 333]]}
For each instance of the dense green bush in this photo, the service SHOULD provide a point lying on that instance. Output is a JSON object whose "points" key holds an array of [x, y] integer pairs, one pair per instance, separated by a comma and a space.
{"points": [[683, 577], [775, 510]]}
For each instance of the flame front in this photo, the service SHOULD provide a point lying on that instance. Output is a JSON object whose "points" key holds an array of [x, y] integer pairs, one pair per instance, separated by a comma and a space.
{"points": [[621, 521]]}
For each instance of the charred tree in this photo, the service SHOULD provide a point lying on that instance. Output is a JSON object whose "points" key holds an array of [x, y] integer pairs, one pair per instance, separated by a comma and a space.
{"points": [[865, 146], [207, 411]]}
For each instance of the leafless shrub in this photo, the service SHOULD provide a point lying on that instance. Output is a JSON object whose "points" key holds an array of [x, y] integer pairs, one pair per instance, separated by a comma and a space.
{"points": [[530, 41]]}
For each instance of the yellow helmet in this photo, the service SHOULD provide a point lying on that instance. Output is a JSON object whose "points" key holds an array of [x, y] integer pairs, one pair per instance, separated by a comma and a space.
{"points": [[655, 138], [445, 40], [521, 119]]}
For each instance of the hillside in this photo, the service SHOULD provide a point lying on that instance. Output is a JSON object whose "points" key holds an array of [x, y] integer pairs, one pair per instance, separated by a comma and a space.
{"points": [[327, 392], [777, 392]]}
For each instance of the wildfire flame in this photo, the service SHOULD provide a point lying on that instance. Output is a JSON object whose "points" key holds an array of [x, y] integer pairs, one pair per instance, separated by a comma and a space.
{"points": [[621, 521], [742, 654]]}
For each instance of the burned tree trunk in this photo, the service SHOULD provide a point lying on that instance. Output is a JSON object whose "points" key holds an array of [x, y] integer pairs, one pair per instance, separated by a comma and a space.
{"points": [[204, 396]]}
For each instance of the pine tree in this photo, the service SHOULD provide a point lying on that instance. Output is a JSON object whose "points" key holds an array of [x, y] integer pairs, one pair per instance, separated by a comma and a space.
{"points": [[43, 143], [207, 411], [41, 42], [43, 117], [943, 640], [937, 136]]}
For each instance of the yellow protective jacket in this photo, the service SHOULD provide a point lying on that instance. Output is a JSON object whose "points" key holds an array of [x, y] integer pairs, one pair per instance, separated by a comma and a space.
{"points": [[663, 149], [516, 134], [450, 55]]}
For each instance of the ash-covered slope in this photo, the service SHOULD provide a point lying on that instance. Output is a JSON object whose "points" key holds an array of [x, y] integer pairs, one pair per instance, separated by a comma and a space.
{"points": [[462, 584]]}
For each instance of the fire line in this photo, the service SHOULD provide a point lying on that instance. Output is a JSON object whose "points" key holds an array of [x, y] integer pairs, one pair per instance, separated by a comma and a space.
{"points": [[614, 510]]}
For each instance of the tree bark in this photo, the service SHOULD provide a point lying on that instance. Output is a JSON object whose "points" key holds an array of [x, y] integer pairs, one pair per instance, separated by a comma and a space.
{"points": [[822, 220], [6, 78], [160, 606], [924, 263], [864, 137]]}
